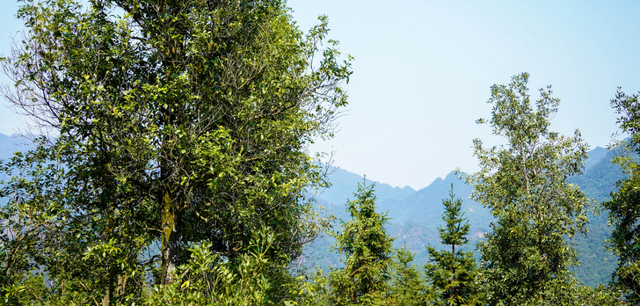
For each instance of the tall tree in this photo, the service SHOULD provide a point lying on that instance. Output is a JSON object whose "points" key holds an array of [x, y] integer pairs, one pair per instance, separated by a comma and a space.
{"points": [[624, 206], [525, 183], [453, 275], [368, 254], [177, 122]]}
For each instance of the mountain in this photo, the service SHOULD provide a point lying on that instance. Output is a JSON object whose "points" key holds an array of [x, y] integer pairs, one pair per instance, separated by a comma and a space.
{"points": [[425, 206], [344, 184], [595, 156], [415, 216], [11, 144], [597, 182]]}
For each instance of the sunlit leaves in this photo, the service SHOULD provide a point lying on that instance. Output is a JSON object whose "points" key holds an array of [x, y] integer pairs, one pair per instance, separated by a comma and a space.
{"points": [[179, 122], [525, 184]]}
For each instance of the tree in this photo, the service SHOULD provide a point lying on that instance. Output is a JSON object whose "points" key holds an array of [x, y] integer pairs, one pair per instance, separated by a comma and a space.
{"points": [[624, 205], [177, 122], [408, 287], [526, 259], [368, 253], [453, 274]]}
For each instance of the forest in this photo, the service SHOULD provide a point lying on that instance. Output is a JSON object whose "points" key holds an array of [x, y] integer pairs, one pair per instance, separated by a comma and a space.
{"points": [[170, 165]]}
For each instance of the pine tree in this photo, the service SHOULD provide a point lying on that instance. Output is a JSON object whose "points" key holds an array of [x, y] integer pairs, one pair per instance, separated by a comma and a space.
{"points": [[453, 274], [368, 254], [408, 287]]}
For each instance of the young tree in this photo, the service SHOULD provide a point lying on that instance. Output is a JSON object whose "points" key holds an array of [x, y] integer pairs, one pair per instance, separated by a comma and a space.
{"points": [[453, 274], [408, 287], [368, 254], [624, 206], [526, 259], [177, 122]]}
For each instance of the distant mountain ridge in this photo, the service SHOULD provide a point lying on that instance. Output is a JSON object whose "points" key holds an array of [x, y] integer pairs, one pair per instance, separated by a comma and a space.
{"points": [[345, 184], [595, 156], [415, 216], [12, 144]]}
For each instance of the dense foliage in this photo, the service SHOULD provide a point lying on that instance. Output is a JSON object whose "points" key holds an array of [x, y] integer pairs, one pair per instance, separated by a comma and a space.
{"points": [[409, 286], [174, 123], [526, 259], [624, 206], [453, 275], [368, 252]]}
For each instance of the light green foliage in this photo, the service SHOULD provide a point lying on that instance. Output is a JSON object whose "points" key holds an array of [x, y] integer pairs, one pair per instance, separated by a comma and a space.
{"points": [[368, 253], [49, 236], [17, 230], [453, 275], [526, 259], [599, 296], [208, 279], [408, 287], [176, 123], [624, 206], [312, 289]]}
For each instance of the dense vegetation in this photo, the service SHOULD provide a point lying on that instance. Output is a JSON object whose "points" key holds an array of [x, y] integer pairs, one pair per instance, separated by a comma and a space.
{"points": [[173, 170]]}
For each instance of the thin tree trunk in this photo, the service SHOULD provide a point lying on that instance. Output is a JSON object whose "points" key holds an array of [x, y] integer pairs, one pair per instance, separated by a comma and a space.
{"points": [[106, 300], [453, 256], [122, 283], [170, 235], [453, 266]]}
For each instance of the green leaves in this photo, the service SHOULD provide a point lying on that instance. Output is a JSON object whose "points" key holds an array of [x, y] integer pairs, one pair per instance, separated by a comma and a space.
{"points": [[525, 184], [368, 254], [453, 275], [624, 207], [179, 123]]}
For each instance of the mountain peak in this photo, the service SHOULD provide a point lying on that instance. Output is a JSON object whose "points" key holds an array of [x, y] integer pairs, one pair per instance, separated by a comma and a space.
{"points": [[595, 156]]}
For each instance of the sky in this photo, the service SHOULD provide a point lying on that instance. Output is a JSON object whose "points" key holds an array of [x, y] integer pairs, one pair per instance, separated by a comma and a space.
{"points": [[423, 71]]}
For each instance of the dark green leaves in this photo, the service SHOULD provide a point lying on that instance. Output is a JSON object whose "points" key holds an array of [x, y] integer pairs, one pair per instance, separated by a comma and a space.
{"points": [[368, 254], [453, 275]]}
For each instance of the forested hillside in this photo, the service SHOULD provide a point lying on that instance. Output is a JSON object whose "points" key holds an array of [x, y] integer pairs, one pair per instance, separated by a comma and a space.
{"points": [[415, 216]]}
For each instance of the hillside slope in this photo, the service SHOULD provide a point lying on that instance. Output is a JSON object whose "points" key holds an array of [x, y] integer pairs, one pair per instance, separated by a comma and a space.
{"points": [[416, 216]]}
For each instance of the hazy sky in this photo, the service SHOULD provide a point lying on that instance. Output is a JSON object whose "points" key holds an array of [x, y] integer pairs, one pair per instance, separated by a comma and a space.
{"points": [[423, 69]]}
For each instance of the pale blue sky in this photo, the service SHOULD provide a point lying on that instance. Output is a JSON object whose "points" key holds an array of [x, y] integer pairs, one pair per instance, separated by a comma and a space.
{"points": [[423, 69]]}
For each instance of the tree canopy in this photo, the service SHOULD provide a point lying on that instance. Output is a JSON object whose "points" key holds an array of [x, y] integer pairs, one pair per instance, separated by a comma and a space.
{"points": [[624, 205], [172, 166], [174, 122], [368, 253], [526, 259]]}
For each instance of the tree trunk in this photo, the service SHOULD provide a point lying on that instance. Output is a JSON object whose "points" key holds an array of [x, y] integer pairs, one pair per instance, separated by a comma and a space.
{"points": [[106, 300], [119, 290], [122, 283], [453, 256], [453, 266], [170, 235]]}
